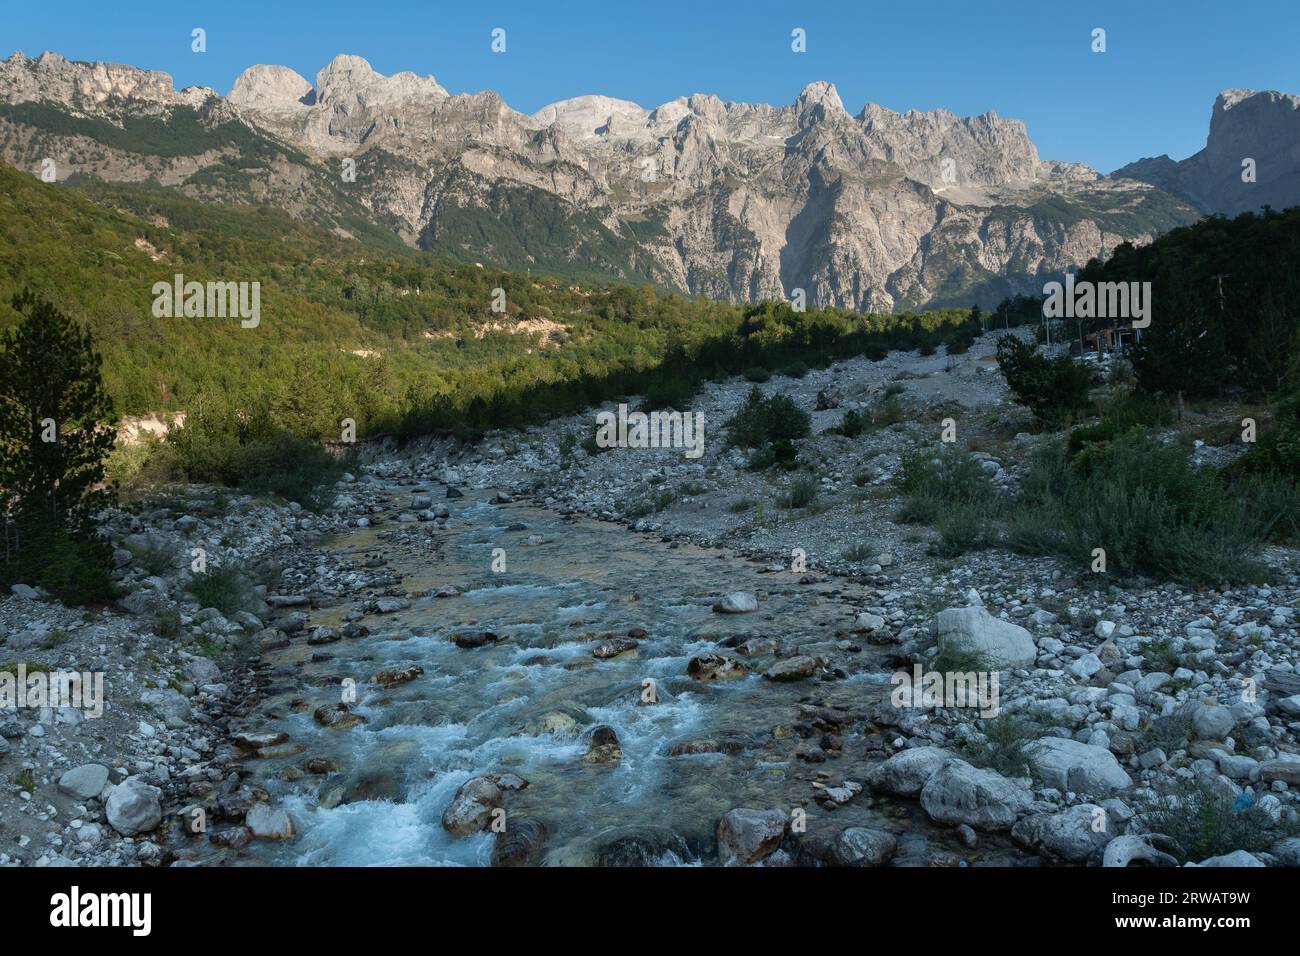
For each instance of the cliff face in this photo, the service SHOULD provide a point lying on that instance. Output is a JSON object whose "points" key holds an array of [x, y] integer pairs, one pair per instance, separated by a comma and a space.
{"points": [[1244, 125], [877, 210]]}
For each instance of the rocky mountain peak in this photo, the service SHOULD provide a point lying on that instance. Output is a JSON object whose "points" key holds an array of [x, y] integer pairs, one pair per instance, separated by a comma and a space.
{"points": [[269, 87], [349, 79], [1251, 156], [81, 85], [819, 101]]}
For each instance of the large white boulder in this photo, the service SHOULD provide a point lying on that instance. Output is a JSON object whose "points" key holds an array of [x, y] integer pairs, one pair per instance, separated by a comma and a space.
{"points": [[974, 629], [959, 793], [1070, 765]]}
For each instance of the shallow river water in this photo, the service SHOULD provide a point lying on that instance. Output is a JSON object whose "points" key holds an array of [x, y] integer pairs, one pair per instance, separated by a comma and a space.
{"points": [[568, 583]]}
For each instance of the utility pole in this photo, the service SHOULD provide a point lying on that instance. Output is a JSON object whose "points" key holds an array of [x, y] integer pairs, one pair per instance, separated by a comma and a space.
{"points": [[1221, 276]]}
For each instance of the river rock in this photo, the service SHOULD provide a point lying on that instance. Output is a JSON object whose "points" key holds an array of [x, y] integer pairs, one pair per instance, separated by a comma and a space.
{"points": [[85, 781], [133, 807], [737, 602], [202, 670], [648, 846], [472, 639], [864, 846], [907, 772], [974, 629], [1236, 858], [471, 809], [270, 738], [1126, 850], [1211, 721], [712, 667], [792, 669], [170, 704], [320, 634], [613, 646], [520, 844], [265, 822], [603, 745], [337, 716], [1286, 768], [391, 605], [559, 723], [746, 836], [1070, 765], [392, 676], [1071, 835], [868, 622], [959, 793]]}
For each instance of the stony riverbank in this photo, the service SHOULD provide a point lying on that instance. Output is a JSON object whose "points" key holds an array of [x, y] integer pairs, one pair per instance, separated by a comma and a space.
{"points": [[1124, 687]]}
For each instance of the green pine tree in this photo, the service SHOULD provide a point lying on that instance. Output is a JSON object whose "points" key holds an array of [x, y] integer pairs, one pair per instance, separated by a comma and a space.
{"points": [[54, 438]]}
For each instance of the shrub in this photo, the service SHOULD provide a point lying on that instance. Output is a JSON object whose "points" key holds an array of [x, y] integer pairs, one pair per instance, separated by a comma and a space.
{"points": [[168, 622], [1205, 820], [290, 467], [76, 569], [1006, 744], [801, 493], [934, 482], [961, 529], [141, 465], [851, 425], [795, 370], [770, 424], [1053, 389], [780, 453], [155, 561], [674, 392], [223, 588], [1147, 506], [757, 373], [888, 412], [859, 552]]}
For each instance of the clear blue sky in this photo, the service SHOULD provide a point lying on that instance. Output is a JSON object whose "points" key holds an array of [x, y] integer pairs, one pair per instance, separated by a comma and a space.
{"points": [[1150, 93]]}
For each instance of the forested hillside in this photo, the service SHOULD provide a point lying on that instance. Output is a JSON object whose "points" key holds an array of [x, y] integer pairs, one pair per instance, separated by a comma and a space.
{"points": [[404, 341]]}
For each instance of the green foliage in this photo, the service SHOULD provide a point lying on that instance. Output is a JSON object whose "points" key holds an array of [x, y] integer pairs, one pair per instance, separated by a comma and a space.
{"points": [[1224, 294], [222, 444], [76, 569], [761, 420], [935, 482], [1146, 506], [52, 451], [1053, 389], [1006, 744], [800, 494], [223, 588], [1133, 411], [851, 425], [1203, 820]]}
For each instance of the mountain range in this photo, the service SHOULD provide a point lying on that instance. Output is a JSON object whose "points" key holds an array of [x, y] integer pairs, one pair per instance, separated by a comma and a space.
{"points": [[874, 211]]}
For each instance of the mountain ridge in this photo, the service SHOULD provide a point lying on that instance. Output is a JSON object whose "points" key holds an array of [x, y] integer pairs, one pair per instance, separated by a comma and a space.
{"points": [[737, 201]]}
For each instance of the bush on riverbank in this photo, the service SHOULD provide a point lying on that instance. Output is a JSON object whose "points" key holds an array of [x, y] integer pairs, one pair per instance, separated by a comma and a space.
{"points": [[223, 445], [1147, 507]]}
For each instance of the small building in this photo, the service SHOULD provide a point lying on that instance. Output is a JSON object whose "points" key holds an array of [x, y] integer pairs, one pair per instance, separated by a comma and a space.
{"points": [[1110, 339]]}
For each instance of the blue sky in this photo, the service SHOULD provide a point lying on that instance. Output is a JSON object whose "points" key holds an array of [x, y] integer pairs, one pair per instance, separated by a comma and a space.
{"points": [[1149, 93]]}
